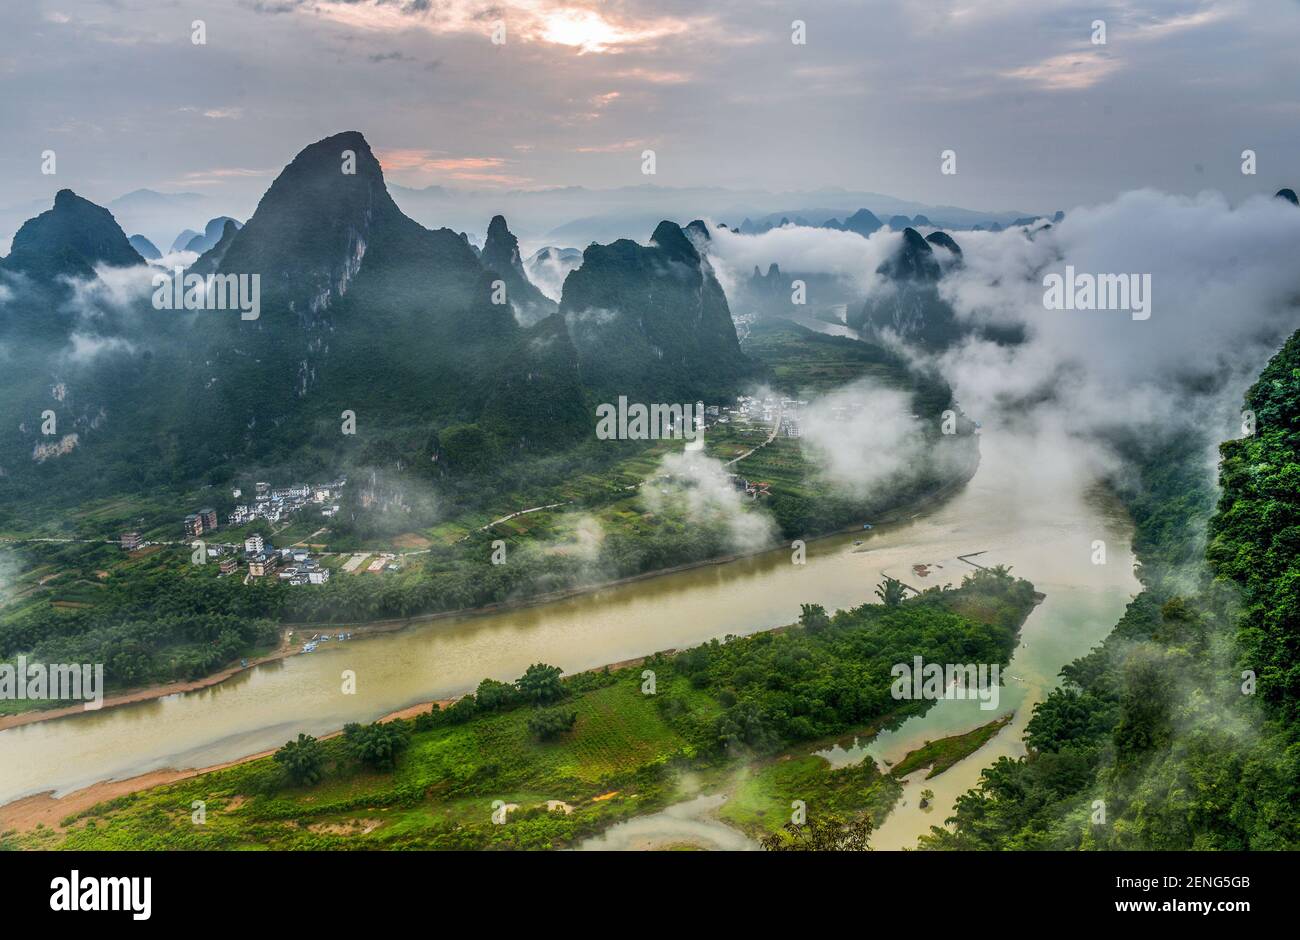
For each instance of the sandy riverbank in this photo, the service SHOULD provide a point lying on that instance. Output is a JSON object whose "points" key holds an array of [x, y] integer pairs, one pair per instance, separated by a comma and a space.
{"points": [[148, 692], [48, 810]]}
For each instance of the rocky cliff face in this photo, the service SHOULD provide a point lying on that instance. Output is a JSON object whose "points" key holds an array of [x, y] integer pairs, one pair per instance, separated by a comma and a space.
{"points": [[652, 320], [501, 255], [909, 304]]}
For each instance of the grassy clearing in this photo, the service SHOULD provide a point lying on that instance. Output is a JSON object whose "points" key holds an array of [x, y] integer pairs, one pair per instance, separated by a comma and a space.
{"points": [[441, 794]]}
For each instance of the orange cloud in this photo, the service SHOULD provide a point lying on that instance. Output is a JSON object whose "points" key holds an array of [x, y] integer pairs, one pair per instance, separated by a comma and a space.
{"points": [[583, 25], [481, 170], [411, 159], [214, 176], [492, 179], [1070, 71], [616, 147], [655, 76]]}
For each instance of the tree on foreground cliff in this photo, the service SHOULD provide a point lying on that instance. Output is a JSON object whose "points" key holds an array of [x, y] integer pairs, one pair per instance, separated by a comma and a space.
{"points": [[813, 617], [547, 724], [376, 745], [829, 833]]}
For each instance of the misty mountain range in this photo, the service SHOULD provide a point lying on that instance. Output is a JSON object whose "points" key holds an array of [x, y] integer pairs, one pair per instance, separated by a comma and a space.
{"points": [[362, 309], [601, 215], [450, 356]]}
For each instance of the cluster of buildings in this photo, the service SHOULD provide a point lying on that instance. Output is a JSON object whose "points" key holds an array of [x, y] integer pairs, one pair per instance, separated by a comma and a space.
{"points": [[294, 565], [196, 523], [790, 417], [750, 409], [272, 505], [753, 489], [744, 324]]}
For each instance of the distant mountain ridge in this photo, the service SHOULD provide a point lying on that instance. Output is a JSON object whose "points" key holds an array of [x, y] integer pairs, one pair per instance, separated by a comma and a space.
{"points": [[211, 234], [144, 248], [549, 266], [71, 239], [575, 215]]}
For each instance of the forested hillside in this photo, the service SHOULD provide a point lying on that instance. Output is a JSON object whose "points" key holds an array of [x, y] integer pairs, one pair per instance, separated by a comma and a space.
{"points": [[1180, 731]]}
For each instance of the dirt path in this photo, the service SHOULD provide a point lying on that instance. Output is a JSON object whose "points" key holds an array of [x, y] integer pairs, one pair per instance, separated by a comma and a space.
{"points": [[776, 429], [48, 810], [513, 515]]}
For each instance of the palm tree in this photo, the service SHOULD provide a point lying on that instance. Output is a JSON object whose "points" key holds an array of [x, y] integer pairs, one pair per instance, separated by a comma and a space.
{"points": [[303, 759], [891, 592]]}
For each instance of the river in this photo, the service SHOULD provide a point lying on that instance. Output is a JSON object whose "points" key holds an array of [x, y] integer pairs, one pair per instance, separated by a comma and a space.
{"points": [[1012, 510]]}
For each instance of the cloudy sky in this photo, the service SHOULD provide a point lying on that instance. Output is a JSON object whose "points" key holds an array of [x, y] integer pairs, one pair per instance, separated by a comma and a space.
{"points": [[1040, 117]]}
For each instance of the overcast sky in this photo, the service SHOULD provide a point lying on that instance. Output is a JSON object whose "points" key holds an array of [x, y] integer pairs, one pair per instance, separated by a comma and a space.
{"points": [[1039, 116]]}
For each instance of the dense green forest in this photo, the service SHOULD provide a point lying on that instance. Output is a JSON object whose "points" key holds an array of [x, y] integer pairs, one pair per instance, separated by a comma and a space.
{"points": [[1180, 731]]}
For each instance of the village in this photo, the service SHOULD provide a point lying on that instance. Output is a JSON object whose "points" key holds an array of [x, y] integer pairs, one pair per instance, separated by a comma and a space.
{"points": [[294, 565], [298, 565], [768, 410]]}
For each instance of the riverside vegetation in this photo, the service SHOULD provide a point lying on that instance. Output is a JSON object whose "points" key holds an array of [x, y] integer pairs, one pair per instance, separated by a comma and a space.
{"points": [[565, 757]]}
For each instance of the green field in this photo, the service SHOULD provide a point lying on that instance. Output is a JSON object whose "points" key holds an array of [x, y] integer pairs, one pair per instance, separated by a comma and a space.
{"points": [[762, 801]]}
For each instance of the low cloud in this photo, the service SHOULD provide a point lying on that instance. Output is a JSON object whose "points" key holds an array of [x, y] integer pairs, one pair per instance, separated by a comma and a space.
{"points": [[83, 347], [862, 437], [548, 274], [106, 303], [798, 249], [1225, 294], [697, 489]]}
